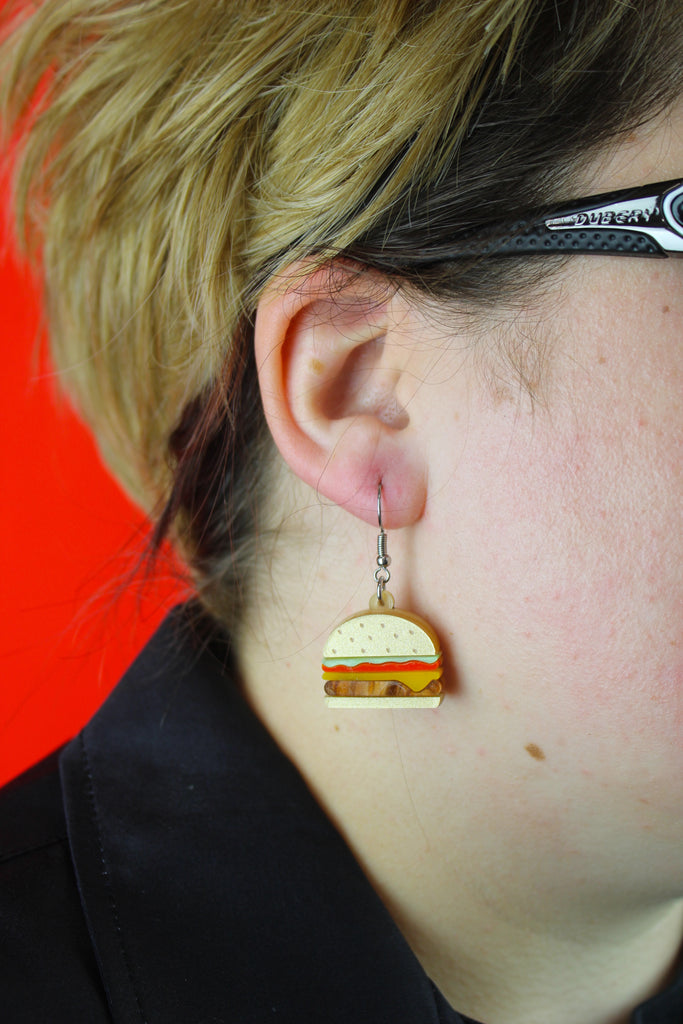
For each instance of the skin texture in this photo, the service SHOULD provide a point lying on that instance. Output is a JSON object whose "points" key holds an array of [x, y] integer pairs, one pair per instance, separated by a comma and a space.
{"points": [[527, 835]]}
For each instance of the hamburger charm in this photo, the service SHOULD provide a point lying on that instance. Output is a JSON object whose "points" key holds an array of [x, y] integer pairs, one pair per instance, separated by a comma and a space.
{"points": [[383, 657]]}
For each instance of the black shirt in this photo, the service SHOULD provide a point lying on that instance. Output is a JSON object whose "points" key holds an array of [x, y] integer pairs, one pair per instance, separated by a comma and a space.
{"points": [[170, 865]]}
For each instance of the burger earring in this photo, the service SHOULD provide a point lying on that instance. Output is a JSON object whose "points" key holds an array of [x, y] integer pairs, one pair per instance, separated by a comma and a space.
{"points": [[385, 657]]}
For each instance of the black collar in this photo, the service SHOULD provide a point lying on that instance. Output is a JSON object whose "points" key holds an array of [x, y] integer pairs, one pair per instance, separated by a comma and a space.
{"points": [[215, 888]]}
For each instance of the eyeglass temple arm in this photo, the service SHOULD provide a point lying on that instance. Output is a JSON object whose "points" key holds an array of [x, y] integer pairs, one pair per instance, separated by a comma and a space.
{"points": [[627, 222]]}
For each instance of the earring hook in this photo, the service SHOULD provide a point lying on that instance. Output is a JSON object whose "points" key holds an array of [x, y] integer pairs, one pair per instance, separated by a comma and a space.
{"points": [[382, 574]]}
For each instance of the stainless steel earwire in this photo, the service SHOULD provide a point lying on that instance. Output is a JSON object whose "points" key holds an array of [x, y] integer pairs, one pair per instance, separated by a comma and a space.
{"points": [[382, 574]]}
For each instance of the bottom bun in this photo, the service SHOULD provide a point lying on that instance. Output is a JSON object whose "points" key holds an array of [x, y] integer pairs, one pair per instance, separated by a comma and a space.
{"points": [[387, 703]]}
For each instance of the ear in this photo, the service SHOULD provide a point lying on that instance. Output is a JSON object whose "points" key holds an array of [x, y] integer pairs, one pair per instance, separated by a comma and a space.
{"points": [[332, 364]]}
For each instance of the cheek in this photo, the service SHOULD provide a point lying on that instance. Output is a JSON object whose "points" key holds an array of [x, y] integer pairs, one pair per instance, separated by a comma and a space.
{"points": [[607, 541], [572, 545]]}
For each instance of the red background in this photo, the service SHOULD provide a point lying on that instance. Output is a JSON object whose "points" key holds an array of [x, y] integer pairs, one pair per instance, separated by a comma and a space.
{"points": [[72, 616]]}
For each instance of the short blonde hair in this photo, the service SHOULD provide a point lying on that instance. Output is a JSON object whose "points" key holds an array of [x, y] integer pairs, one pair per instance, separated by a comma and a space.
{"points": [[172, 155]]}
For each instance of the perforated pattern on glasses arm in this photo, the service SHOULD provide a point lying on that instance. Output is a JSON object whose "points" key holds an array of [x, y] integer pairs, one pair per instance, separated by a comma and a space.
{"points": [[631, 222]]}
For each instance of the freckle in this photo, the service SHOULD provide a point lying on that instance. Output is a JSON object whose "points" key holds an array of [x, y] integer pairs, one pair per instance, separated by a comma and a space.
{"points": [[535, 751], [602, 360], [316, 366], [336, 728], [665, 309]]}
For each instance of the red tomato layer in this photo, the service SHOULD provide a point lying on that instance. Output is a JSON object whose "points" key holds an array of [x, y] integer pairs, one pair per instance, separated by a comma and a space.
{"points": [[385, 666]]}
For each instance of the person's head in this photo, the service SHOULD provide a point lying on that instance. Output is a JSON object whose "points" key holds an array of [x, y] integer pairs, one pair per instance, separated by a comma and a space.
{"points": [[183, 156], [252, 220]]}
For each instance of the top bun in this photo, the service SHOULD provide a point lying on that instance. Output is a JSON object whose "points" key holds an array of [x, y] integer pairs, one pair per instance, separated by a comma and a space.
{"points": [[382, 634]]}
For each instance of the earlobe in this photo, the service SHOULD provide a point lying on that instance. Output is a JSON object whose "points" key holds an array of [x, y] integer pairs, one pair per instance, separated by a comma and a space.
{"points": [[330, 369]]}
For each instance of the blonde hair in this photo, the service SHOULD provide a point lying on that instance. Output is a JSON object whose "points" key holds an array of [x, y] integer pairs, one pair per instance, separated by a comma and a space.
{"points": [[172, 155]]}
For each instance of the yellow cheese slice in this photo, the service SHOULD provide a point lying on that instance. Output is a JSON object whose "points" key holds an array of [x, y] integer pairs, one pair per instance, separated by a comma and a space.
{"points": [[415, 680]]}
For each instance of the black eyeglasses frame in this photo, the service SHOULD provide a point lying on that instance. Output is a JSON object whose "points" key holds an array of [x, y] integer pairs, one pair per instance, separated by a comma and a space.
{"points": [[643, 221]]}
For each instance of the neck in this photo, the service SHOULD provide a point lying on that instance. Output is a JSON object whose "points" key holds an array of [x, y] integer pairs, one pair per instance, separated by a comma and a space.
{"points": [[525, 971], [528, 882], [511, 921]]}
